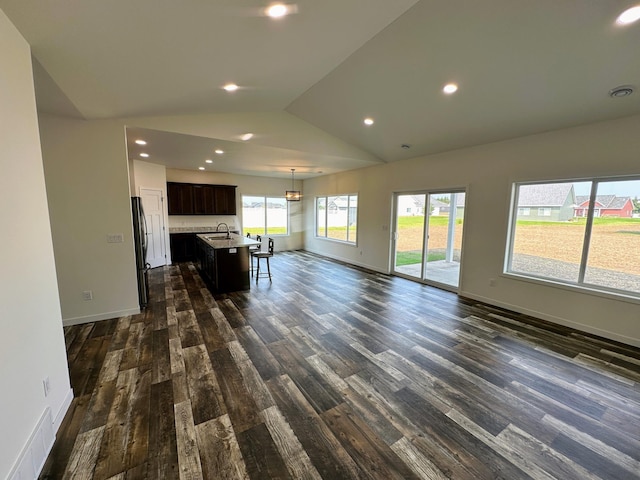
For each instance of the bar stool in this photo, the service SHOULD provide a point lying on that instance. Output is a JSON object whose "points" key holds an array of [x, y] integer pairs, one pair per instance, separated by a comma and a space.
{"points": [[259, 255], [254, 249]]}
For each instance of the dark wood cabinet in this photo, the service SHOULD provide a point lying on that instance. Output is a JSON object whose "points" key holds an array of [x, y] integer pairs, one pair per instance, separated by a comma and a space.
{"points": [[223, 269], [204, 200], [225, 199], [183, 247], [201, 199], [180, 198]]}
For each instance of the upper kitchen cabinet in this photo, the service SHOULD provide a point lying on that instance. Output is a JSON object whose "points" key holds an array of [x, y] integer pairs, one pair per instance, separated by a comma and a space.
{"points": [[225, 199], [204, 200], [201, 199], [180, 198]]}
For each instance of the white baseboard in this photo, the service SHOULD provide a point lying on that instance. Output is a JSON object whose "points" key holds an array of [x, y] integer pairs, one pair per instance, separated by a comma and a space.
{"points": [[57, 421], [349, 261], [67, 322], [35, 452], [560, 321]]}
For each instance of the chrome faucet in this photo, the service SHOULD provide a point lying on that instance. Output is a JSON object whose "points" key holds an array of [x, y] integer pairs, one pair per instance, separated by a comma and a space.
{"points": [[226, 226]]}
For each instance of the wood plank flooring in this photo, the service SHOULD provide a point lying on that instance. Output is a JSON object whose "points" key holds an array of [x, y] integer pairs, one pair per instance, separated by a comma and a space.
{"points": [[332, 372]]}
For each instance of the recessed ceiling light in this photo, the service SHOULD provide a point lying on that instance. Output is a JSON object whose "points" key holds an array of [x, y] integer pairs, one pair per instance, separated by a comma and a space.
{"points": [[621, 91], [277, 10], [208, 160], [230, 87], [247, 136], [630, 15], [145, 155], [141, 142], [368, 121], [200, 168], [219, 152], [450, 88]]}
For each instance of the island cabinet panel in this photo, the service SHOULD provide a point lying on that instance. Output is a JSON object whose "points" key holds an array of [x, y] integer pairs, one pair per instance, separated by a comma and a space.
{"points": [[201, 199], [223, 269]]}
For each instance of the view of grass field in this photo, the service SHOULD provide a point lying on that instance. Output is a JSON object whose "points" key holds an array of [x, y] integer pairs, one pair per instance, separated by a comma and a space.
{"points": [[253, 231], [410, 232], [551, 249]]}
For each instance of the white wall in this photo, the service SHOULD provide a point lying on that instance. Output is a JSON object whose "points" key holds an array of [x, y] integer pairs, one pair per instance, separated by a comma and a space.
{"points": [[87, 179], [609, 148], [31, 338]]}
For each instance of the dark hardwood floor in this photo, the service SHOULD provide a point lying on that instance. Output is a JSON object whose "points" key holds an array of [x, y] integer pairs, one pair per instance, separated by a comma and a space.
{"points": [[333, 372]]}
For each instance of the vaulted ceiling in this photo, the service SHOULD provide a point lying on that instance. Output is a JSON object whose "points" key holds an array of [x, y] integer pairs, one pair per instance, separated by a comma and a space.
{"points": [[308, 80]]}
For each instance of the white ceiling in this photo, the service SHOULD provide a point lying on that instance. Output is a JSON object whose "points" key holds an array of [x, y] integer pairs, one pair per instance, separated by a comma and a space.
{"points": [[523, 67]]}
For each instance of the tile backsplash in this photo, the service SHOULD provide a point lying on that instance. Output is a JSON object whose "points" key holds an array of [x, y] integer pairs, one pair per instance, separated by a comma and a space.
{"points": [[201, 223]]}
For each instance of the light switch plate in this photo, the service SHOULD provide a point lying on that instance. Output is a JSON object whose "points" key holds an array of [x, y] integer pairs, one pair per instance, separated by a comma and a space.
{"points": [[115, 238]]}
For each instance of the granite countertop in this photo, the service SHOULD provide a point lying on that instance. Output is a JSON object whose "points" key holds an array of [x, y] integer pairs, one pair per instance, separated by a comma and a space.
{"points": [[197, 229], [220, 240]]}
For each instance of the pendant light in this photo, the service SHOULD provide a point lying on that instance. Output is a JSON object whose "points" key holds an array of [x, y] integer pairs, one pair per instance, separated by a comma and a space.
{"points": [[292, 195]]}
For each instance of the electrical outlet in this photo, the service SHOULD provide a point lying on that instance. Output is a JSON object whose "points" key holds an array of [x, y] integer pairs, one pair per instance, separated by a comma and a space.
{"points": [[115, 238], [46, 385], [87, 295]]}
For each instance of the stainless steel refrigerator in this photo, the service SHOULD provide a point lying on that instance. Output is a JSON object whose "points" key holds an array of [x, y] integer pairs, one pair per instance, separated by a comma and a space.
{"points": [[140, 242]]}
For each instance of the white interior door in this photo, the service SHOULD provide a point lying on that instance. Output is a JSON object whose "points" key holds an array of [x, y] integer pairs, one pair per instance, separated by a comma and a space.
{"points": [[152, 202]]}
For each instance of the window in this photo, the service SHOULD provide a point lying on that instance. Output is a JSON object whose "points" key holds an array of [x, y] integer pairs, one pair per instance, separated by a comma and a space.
{"points": [[337, 217], [265, 215], [586, 235], [524, 212]]}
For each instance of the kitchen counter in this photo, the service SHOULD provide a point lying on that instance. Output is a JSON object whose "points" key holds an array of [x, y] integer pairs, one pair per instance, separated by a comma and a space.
{"points": [[223, 262], [219, 240], [206, 229]]}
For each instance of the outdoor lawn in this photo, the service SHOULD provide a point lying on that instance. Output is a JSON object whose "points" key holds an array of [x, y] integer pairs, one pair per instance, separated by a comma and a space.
{"points": [[410, 231], [552, 249]]}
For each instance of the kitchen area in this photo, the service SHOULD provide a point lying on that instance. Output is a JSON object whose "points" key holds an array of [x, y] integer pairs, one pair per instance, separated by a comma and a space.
{"points": [[219, 252], [182, 204]]}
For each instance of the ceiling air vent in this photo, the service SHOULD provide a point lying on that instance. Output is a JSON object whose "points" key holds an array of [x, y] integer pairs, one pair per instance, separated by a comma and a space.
{"points": [[622, 91]]}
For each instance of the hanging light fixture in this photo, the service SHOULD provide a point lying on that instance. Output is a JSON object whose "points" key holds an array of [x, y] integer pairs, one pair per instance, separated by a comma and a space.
{"points": [[292, 195]]}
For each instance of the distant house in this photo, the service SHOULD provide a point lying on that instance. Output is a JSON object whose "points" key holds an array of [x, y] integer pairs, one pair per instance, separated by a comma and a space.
{"points": [[606, 206], [341, 210], [410, 205], [438, 207], [552, 202]]}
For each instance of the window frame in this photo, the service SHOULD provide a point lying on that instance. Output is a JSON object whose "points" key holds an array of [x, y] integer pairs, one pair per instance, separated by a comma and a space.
{"points": [[266, 216], [592, 212], [326, 218]]}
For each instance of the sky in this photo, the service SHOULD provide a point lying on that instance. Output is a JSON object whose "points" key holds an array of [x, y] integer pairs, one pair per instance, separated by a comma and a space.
{"points": [[619, 188]]}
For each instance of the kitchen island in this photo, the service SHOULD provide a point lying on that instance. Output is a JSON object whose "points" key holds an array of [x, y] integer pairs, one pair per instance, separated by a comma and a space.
{"points": [[223, 261]]}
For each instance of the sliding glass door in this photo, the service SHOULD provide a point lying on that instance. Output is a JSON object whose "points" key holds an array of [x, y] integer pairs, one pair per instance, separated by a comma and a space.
{"points": [[428, 236]]}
